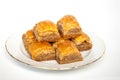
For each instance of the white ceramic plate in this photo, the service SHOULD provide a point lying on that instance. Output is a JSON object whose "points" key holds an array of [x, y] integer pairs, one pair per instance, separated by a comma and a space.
{"points": [[15, 49]]}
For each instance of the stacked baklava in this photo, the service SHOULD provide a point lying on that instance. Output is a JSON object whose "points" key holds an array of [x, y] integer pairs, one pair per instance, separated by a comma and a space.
{"points": [[62, 42]]}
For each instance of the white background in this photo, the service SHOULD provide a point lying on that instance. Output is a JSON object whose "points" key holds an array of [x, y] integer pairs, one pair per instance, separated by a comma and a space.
{"points": [[99, 16]]}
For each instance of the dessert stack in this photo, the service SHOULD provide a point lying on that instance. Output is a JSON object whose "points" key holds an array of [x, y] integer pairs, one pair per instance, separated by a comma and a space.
{"points": [[62, 42]]}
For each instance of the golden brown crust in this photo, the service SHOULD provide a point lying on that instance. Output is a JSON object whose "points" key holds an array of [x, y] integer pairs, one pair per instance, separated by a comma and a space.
{"points": [[83, 42], [28, 38], [69, 27], [84, 46], [41, 51], [66, 52], [46, 31], [38, 51], [58, 42]]}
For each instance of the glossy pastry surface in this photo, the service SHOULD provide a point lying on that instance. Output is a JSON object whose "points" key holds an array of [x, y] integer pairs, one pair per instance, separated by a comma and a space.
{"points": [[46, 31], [83, 42], [41, 51], [28, 38], [38, 51], [67, 52], [69, 27]]}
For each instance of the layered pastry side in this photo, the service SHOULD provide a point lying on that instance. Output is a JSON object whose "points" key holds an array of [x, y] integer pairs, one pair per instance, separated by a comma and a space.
{"points": [[28, 38], [83, 42], [46, 31], [66, 52], [39, 51], [69, 27]]}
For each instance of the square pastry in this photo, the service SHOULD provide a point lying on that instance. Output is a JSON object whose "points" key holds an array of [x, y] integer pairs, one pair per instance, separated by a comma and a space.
{"points": [[46, 31], [38, 51], [66, 52], [41, 51], [83, 42], [28, 38], [68, 27]]}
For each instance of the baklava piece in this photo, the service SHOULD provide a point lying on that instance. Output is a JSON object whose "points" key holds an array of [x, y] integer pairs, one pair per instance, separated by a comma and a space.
{"points": [[68, 27], [58, 42], [46, 31], [41, 51], [66, 52], [83, 42], [28, 38], [38, 51]]}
